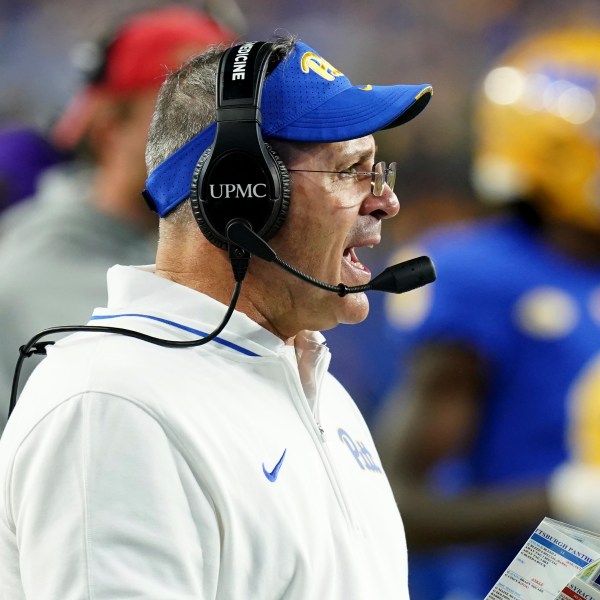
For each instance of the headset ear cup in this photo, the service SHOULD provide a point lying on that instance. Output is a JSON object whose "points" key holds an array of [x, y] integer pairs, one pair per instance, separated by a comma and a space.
{"points": [[286, 193], [280, 171], [205, 228]]}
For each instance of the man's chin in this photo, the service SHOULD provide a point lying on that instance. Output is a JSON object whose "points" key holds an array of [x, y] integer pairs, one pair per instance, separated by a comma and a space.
{"points": [[332, 310], [354, 309]]}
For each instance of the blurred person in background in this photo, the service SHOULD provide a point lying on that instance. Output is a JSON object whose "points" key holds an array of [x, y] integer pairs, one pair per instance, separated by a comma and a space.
{"points": [[25, 154], [495, 422], [90, 215]]}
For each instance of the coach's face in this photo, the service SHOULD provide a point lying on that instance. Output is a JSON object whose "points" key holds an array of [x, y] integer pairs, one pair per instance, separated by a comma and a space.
{"points": [[332, 220]]}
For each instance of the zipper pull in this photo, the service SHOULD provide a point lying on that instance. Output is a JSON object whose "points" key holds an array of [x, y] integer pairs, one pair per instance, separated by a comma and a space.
{"points": [[321, 430]]}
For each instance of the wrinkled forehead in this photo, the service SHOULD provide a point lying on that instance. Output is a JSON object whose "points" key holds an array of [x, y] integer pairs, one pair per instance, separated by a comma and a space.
{"points": [[333, 153], [358, 149]]}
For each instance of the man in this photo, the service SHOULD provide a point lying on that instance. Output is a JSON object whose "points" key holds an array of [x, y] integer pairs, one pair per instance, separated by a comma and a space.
{"points": [[495, 423], [87, 215], [240, 468]]}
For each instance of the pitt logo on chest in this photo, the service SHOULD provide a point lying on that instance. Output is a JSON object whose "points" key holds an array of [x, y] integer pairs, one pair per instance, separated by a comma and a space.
{"points": [[360, 452]]}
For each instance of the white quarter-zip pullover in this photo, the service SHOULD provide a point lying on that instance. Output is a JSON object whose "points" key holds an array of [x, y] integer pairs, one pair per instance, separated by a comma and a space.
{"points": [[237, 470]]}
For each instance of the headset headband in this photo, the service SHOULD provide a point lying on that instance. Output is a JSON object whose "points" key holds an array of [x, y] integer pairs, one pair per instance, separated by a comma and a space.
{"points": [[239, 176]]}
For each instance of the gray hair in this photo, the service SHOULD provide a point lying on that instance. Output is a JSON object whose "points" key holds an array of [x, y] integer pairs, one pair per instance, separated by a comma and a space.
{"points": [[186, 103]]}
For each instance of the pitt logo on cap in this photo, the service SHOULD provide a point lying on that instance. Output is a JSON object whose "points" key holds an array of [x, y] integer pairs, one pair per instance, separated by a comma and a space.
{"points": [[313, 62]]}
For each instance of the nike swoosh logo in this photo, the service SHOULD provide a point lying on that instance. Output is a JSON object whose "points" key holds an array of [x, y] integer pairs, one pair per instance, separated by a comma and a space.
{"points": [[272, 475]]}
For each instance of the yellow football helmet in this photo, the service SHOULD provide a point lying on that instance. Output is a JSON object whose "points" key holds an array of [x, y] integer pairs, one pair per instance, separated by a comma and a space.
{"points": [[537, 126]]}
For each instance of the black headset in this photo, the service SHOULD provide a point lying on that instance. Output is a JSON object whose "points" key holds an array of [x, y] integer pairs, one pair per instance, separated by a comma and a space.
{"points": [[240, 176]]}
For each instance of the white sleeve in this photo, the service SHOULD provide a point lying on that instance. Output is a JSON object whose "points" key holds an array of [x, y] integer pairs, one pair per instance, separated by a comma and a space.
{"points": [[105, 506]]}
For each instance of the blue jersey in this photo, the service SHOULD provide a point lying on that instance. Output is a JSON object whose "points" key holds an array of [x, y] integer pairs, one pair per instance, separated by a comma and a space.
{"points": [[534, 316]]}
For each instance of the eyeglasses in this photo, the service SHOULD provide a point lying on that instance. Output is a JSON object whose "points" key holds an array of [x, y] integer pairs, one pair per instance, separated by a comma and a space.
{"points": [[380, 176]]}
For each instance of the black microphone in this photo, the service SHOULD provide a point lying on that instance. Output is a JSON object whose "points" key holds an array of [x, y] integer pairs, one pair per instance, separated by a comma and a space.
{"points": [[397, 279]]}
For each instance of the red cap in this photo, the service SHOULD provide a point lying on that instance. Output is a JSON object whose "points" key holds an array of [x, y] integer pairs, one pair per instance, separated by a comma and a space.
{"points": [[145, 49]]}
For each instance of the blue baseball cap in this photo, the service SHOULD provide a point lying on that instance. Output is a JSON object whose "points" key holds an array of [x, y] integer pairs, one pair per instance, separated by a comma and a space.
{"points": [[304, 99]]}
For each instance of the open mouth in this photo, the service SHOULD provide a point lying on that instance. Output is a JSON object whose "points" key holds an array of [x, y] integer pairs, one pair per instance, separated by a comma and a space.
{"points": [[351, 258]]}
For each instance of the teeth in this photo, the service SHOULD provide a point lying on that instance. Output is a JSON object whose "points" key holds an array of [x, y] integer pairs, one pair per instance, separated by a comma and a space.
{"points": [[350, 256], [354, 260]]}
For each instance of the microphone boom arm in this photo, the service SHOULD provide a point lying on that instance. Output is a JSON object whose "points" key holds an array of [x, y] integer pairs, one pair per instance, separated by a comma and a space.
{"points": [[396, 279]]}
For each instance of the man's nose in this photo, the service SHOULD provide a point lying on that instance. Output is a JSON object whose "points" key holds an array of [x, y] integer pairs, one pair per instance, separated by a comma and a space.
{"points": [[385, 206]]}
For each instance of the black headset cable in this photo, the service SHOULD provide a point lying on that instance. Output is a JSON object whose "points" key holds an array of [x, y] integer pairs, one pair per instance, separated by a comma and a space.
{"points": [[239, 261]]}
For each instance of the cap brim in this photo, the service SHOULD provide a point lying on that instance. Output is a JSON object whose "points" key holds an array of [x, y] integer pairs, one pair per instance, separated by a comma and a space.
{"points": [[355, 112]]}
